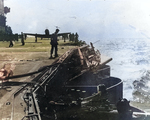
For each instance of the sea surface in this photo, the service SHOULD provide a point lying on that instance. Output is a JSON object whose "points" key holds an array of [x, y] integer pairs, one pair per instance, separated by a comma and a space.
{"points": [[131, 60]]}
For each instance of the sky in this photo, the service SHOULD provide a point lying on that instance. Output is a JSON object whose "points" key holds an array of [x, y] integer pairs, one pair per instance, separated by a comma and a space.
{"points": [[91, 19]]}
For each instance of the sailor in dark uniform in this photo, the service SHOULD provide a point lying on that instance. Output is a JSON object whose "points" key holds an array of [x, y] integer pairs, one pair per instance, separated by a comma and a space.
{"points": [[54, 43]]}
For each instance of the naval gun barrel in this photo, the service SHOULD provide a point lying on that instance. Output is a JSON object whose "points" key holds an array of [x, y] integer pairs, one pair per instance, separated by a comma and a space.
{"points": [[105, 62], [31, 73]]}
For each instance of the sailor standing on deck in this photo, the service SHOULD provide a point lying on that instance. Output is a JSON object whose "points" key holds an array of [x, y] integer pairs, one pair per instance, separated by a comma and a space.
{"points": [[54, 43]]}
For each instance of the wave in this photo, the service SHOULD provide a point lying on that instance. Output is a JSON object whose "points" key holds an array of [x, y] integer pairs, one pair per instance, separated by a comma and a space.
{"points": [[130, 60]]}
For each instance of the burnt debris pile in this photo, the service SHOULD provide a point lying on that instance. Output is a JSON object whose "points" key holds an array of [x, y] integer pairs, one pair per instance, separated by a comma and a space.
{"points": [[76, 84]]}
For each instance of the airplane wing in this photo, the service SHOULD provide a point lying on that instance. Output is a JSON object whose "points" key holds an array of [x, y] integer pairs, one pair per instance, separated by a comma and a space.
{"points": [[39, 35], [64, 35], [45, 36]]}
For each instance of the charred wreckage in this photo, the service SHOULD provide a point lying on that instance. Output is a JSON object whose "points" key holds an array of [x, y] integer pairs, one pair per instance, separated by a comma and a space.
{"points": [[77, 86]]}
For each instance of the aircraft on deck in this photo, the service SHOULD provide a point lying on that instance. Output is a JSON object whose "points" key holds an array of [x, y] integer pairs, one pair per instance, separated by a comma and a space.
{"points": [[47, 35]]}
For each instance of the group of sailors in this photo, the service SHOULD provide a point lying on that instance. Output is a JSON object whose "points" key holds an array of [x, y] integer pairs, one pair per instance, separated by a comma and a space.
{"points": [[74, 37]]}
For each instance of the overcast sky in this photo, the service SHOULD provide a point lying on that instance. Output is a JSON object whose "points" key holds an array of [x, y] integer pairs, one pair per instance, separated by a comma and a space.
{"points": [[91, 19]]}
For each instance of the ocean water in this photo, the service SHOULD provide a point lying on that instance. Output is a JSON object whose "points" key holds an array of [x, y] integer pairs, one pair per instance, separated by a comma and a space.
{"points": [[131, 60]]}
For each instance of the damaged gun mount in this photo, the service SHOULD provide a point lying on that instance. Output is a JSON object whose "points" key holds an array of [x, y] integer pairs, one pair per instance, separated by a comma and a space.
{"points": [[77, 76]]}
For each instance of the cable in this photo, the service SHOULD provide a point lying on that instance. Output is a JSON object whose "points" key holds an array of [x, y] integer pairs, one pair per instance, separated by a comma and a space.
{"points": [[114, 85], [31, 73]]}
